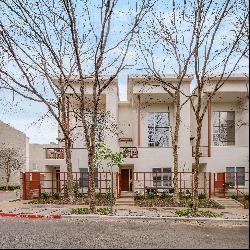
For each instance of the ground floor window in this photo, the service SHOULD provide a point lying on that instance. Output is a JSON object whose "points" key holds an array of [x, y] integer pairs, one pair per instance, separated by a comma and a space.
{"points": [[162, 177], [84, 177], [236, 175]]}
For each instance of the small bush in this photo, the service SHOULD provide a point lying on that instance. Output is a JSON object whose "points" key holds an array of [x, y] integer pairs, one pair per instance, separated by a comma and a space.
{"points": [[45, 195], [80, 210], [81, 195], [165, 195], [138, 196], [151, 195], [104, 211], [10, 187], [189, 212], [202, 196], [56, 195]]}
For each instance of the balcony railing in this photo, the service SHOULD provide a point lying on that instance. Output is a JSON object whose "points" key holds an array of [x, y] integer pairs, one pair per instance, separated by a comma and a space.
{"points": [[54, 153], [203, 150], [130, 152]]}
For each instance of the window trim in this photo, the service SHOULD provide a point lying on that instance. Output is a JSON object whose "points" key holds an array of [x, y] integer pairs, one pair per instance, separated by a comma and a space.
{"points": [[153, 145]]}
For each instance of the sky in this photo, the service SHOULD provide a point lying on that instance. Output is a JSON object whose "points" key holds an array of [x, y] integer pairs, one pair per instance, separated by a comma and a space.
{"points": [[28, 117]]}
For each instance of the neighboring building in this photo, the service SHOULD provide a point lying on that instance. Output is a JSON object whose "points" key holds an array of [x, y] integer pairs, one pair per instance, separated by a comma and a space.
{"points": [[141, 127], [11, 137]]}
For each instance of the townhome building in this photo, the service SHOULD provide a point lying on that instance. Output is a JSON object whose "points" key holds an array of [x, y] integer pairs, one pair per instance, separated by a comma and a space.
{"points": [[141, 128]]}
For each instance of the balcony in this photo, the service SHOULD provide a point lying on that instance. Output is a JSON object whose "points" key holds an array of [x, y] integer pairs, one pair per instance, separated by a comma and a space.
{"points": [[54, 153], [203, 150], [130, 152]]}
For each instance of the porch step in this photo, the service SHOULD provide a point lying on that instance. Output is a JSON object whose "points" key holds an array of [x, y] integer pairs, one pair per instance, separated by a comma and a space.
{"points": [[126, 194], [229, 203], [127, 201]]}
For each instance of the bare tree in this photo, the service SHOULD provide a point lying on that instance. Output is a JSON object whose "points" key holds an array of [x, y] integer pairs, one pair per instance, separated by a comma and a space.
{"points": [[10, 161], [169, 48], [63, 43], [216, 58]]}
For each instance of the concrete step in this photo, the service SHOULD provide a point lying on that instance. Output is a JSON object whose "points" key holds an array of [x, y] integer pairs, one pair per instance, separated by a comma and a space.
{"points": [[129, 201], [229, 203], [126, 194]]}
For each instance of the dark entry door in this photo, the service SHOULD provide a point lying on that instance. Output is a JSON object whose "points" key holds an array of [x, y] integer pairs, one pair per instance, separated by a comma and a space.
{"points": [[124, 179]]}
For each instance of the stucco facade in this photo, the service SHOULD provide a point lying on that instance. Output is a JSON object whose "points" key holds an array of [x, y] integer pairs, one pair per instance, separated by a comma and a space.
{"points": [[128, 127]]}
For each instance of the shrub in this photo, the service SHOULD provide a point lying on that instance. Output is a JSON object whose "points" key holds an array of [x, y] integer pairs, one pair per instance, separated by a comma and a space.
{"points": [[202, 196], [104, 211], [165, 195], [45, 195], [151, 195], [56, 195], [80, 210], [229, 184], [138, 196], [235, 197], [189, 212], [10, 187]]}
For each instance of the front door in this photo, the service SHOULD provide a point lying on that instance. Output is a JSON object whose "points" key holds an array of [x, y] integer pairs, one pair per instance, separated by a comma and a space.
{"points": [[219, 184], [124, 179]]}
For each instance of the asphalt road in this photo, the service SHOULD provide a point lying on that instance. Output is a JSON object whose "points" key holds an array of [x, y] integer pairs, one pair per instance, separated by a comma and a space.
{"points": [[73, 233]]}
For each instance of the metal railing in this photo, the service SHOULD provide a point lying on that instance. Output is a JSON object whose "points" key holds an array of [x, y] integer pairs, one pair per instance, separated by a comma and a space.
{"points": [[130, 152], [54, 153], [203, 150]]}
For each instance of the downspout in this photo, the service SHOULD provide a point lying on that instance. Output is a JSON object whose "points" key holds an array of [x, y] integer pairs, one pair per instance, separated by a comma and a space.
{"points": [[209, 127]]}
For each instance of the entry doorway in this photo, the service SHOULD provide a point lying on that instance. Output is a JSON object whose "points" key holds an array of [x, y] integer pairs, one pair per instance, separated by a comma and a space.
{"points": [[126, 180]]}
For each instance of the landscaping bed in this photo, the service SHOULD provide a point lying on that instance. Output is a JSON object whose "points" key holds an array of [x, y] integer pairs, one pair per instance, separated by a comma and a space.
{"points": [[243, 200], [80, 199], [167, 200]]}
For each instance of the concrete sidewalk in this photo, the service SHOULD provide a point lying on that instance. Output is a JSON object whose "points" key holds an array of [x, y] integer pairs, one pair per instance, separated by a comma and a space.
{"points": [[22, 207]]}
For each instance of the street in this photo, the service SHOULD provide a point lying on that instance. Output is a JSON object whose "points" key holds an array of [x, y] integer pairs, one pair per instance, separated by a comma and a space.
{"points": [[90, 233]]}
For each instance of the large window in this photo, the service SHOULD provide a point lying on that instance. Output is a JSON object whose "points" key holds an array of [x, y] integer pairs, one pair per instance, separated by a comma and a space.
{"points": [[224, 128], [158, 129], [162, 177], [236, 175]]}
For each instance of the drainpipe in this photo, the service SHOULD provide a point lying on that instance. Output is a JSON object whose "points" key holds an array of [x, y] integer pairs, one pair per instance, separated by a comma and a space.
{"points": [[139, 118], [209, 127]]}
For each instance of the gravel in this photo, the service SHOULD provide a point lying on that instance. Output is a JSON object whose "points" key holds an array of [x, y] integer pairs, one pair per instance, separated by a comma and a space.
{"points": [[93, 234]]}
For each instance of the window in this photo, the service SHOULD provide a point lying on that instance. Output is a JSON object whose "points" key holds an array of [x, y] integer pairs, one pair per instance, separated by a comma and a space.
{"points": [[34, 167], [232, 172], [158, 129], [224, 128], [84, 177], [163, 178]]}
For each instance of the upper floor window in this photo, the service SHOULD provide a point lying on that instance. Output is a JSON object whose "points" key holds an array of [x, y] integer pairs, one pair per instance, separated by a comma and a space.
{"points": [[224, 128], [158, 129]]}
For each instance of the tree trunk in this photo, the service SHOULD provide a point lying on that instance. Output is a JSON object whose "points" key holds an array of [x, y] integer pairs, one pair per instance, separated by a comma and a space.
{"points": [[196, 167], [175, 147], [7, 181], [69, 171], [91, 180]]}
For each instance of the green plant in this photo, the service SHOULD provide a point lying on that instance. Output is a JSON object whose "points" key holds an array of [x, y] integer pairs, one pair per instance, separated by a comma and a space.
{"points": [[80, 210], [45, 195], [202, 196], [56, 195], [104, 211], [138, 196], [165, 195], [189, 212], [151, 195], [229, 184], [10, 187], [80, 195]]}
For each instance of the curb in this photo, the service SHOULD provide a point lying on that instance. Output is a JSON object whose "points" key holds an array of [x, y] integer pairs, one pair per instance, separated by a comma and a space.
{"points": [[31, 216], [163, 218]]}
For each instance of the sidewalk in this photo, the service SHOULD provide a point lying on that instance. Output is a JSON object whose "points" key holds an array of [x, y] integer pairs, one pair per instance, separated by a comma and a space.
{"points": [[22, 207]]}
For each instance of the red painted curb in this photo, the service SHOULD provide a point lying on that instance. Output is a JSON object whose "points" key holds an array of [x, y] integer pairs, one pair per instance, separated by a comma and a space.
{"points": [[31, 216]]}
